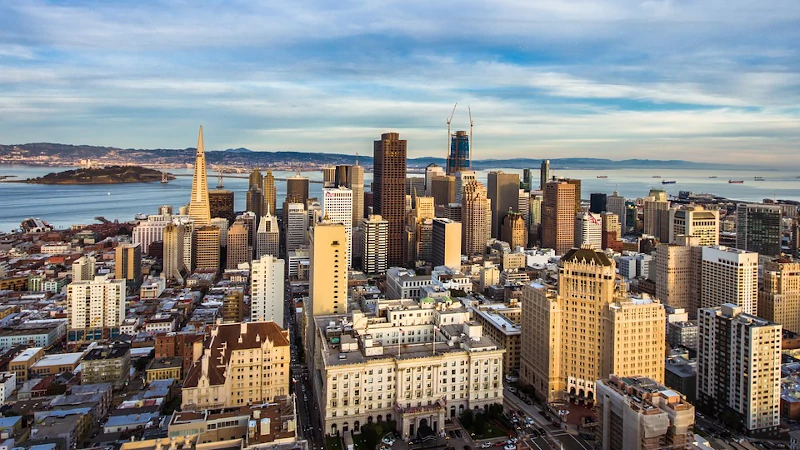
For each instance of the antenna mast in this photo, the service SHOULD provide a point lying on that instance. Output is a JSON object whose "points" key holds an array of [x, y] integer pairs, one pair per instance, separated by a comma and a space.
{"points": [[470, 137], [450, 119]]}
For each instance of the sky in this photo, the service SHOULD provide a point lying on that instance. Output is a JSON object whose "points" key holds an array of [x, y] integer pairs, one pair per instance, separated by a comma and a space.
{"points": [[710, 80]]}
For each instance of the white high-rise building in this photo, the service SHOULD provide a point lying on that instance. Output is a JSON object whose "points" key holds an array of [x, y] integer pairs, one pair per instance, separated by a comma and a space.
{"points": [[83, 268], [375, 233], [188, 245], [296, 226], [462, 178], [729, 275], [223, 225], [524, 207], [694, 220], [151, 230], [267, 290], [337, 204], [739, 366], [589, 229], [95, 308], [268, 237]]}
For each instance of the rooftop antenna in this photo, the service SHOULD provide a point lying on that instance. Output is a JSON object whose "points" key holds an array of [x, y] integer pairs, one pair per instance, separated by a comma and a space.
{"points": [[471, 143], [449, 119], [356, 158]]}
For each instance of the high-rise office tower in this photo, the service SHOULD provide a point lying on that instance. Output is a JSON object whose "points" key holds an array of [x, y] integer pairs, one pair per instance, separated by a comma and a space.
{"points": [[223, 226], [249, 219], [189, 246], [328, 269], [513, 230], [352, 177], [255, 201], [128, 263], [612, 232], [431, 171], [83, 268], [233, 307], [558, 216], [656, 215], [535, 221], [779, 293], [388, 186], [794, 244], [375, 232], [446, 243], [589, 230], [424, 208], [267, 290], [174, 269], [314, 211], [678, 273], [239, 250], [694, 220], [597, 202], [524, 207], [199, 207], [729, 276], [577, 183], [454, 212], [268, 237], [95, 308], [443, 189], [296, 226], [337, 204], [615, 203], [527, 179], [297, 187], [462, 178], [207, 247], [739, 367], [458, 159], [758, 228], [503, 191], [476, 212], [544, 174], [221, 204], [415, 185], [256, 179], [588, 330], [329, 176], [270, 193]]}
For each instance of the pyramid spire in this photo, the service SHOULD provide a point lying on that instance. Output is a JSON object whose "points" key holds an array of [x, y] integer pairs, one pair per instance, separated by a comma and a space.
{"points": [[199, 208]]}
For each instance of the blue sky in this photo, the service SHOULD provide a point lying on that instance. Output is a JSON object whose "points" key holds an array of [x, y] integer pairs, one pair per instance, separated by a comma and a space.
{"points": [[715, 80]]}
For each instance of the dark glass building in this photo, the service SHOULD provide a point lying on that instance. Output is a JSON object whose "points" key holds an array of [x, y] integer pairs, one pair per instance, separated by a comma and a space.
{"points": [[458, 159]]}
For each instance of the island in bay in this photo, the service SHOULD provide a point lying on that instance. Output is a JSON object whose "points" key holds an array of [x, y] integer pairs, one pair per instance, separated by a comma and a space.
{"points": [[103, 175]]}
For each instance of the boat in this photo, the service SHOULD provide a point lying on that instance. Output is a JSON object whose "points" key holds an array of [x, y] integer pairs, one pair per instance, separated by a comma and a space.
{"points": [[736, 181], [659, 176], [758, 178], [164, 178], [602, 176], [713, 176], [668, 181]]}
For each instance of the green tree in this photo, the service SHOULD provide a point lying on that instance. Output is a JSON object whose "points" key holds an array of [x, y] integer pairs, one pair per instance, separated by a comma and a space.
{"points": [[480, 424], [496, 410], [467, 418], [370, 436]]}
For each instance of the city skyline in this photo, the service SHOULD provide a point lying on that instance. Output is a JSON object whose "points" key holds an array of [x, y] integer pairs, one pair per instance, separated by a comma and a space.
{"points": [[615, 80]]}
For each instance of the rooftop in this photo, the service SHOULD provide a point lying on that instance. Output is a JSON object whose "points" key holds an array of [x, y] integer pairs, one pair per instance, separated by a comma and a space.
{"points": [[27, 354], [59, 359]]}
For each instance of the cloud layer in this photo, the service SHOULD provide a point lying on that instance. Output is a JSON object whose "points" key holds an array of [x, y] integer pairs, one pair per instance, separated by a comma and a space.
{"points": [[670, 79]]}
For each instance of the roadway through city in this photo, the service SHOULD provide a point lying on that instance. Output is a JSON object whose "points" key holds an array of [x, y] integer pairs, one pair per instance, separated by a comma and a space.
{"points": [[556, 437]]}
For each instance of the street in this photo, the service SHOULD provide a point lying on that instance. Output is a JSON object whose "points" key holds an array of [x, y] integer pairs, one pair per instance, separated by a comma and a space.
{"points": [[559, 437]]}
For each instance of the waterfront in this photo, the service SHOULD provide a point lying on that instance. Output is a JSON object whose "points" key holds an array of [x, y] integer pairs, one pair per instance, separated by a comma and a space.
{"points": [[64, 205]]}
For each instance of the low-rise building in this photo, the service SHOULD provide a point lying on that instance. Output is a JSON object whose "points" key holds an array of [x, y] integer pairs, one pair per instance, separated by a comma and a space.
{"points": [[107, 365], [405, 283], [37, 333], [498, 325], [23, 362], [8, 382], [165, 368], [56, 364]]}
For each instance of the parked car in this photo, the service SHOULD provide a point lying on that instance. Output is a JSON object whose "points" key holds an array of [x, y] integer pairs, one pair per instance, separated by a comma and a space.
{"points": [[510, 447], [388, 441], [542, 431], [486, 445]]}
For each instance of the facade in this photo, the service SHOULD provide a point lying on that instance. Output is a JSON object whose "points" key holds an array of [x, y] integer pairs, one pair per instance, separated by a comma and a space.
{"points": [[352, 177], [739, 367], [388, 188], [296, 226], [207, 246], [597, 202], [678, 273], [374, 244], [239, 250], [297, 188], [558, 216], [587, 330], [589, 229], [656, 215], [328, 264], [174, 269], [337, 207], [37, 333], [83, 268], [729, 276], [462, 179], [233, 305], [758, 228], [107, 365], [459, 157], [476, 211], [694, 221], [128, 263], [779, 294], [199, 206], [221, 203], [405, 283], [501, 324], [267, 290], [268, 236], [95, 309], [431, 171], [22, 363], [513, 230], [270, 193], [637, 413], [8, 383], [443, 189], [242, 364], [615, 203], [544, 174], [503, 192], [446, 243]]}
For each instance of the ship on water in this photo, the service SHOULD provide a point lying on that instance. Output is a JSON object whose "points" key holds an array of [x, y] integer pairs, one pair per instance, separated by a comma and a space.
{"points": [[656, 176], [668, 181], [713, 176], [758, 178], [602, 176], [736, 181]]}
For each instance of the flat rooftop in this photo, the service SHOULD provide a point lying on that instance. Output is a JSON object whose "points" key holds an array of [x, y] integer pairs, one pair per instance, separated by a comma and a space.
{"points": [[27, 354], [60, 359]]}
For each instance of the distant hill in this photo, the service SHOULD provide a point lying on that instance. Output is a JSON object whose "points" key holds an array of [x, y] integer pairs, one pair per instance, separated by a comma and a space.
{"points": [[65, 154]]}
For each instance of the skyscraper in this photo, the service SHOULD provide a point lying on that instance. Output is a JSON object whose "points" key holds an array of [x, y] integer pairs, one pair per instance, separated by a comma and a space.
{"points": [[597, 202], [503, 191], [558, 216], [446, 243], [207, 247], [656, 215], [199, 207], [588, 229], [328, 269], [221, 203], [431, 171], [83, 268], [270, 193], [615, 203], [239, 250], [758, 228], [476, 212], [337, 204], [128, 263], [255, 201], [694, 220], [352, 177], [611, 232], [779, 293], [174, 268], [678, 273], [389, 175], [513, 230], [268, 237], [443, 189], [458, 159], [95, 308], [729, 275], [544, 174], [739, 367], [462, 178], [267, 290], [296, 226], [373, 247], [297, 189], [256, 180]]}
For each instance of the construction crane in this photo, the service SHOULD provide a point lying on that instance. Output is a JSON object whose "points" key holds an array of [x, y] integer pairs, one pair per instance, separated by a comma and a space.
{"points": [[470, 137], [450, 119]]}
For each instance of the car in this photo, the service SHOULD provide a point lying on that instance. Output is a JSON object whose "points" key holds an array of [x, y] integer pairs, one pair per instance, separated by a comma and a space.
{"points": [[521, 412], [542, 431], [486, 445], [387, 440], [528, 401], [512, 389], [499, 444], [510, 447]]}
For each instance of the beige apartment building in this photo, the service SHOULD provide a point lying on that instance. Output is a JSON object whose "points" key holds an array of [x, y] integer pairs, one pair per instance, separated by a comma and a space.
{"points": [[476, 212], [501, 323], [328, 262], [678, 273], [729, 275], [694, 220], [779, 294], [587, 329], [207, 247], [238, 364]]}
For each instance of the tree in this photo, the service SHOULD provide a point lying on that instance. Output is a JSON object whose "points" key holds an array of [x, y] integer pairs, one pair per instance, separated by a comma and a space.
{"points": [[370, 436], [496, 410], [480, 424], [467, 418]]}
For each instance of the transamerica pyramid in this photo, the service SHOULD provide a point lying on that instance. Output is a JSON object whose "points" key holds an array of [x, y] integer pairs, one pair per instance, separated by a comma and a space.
{"points": [[199, 209]]}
